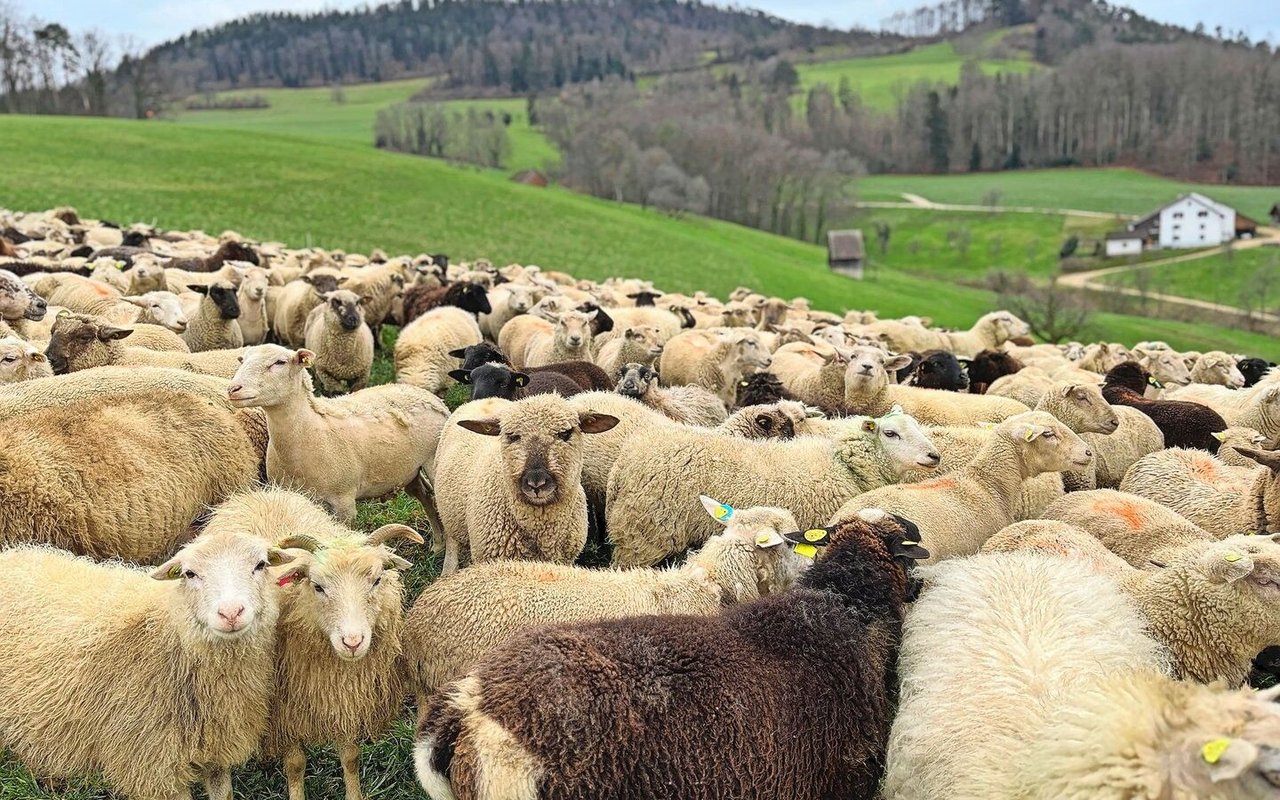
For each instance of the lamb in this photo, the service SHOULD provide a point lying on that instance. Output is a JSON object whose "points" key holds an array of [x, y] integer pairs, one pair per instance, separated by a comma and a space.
{"points": [[868, 391], [728, 721], [959, 512], [340, 449], [21, 361], [422, 350], [1183, 424], [689, 404], [254, 321], [498, 380], [444, 638], [638, 345], [713, 359], [213, 325], [195, 636], [1093, 715], [295, 301], [470, 297], [567, 339], [516, 492], [650, 515], [81, 342], [989, 366], [1135, 528], [342, 342], [1217, 368], [1220, 499], [811, 375], [340, 627]]}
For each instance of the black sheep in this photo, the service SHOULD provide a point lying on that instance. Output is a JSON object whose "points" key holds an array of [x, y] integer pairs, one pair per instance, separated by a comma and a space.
{"points": [[759, 389], [499, 380], [1253, 369], [989, 365], [938, 369], [1183, 424], [419, 299], [790, 696], [586, 375], [227, 251], [601, 322]]}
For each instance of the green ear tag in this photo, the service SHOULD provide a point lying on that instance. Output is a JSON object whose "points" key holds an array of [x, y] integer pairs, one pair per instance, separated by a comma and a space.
{"points": [[815, 535], [762, 539], [806, 550], [1233, 557]]}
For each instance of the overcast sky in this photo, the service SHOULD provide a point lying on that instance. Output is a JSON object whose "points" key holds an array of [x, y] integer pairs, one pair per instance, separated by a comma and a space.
{"points": [[153, 21]]}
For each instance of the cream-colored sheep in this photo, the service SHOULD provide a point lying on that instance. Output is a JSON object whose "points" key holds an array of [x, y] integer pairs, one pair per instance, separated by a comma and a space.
{"points": [[638, 345], [1235, 437], [212, 322], [508, 300], [715, 359], [1026, 386], [509, 479], [692, 405], [957, 513], [445, 636], [989, 332], [422, 349], [665, 320], [652, 495], [812, 375], [567, 339], [1217, 368], [170, 676], [154, 308], [1085, 411], [1092, 716], [600, 452], [1135, 528], [80, 342], [868, 391], [254, 320], [342, 342], [345, 448], [295, 301], [21, 361], [1220, 499]]}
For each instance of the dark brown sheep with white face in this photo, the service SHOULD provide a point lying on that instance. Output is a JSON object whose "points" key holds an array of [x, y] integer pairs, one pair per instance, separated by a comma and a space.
{"points": [[785, 697]]}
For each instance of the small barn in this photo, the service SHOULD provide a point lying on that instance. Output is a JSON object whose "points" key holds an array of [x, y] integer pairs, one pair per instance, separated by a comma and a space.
{"points": [[1123, 243], [531, 177], [846, 253], [1275, 213]]}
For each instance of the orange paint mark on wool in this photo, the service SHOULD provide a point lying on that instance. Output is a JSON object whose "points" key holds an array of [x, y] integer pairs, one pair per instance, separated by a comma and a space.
{"points": [[936, 483], [547, 577], [101, 290], [1204, 469], [1131, 513]]}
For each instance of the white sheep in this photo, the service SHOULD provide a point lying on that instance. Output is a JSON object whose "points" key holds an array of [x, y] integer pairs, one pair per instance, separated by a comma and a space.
{"points": [[714, 359], [636, 345], [1220, 499], [567, 339], [171, 673], [342, 342], [508, 479], [1218, 369], [422, 349], [21, 361], [339, 449], [254, 319]]}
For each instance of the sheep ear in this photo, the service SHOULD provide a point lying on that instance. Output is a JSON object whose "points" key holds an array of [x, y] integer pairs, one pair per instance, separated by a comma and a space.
{"points": [[109, 333], [1227, 758], [170, 570], [1229, 566], [720, 512], [39, 357], [1028, 432], [1069, 388], [484, 427], [198, 288], [896, 363], [1267, 458], [461, 352], [137, 300], [393, 561], [596, 423], [869, 425], [767, 539], [1222, 437], [304, 357], [460, 375]]}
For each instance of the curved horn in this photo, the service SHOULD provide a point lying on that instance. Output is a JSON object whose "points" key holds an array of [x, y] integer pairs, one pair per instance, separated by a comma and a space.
{"points": [[394, 531], [300, 541]]}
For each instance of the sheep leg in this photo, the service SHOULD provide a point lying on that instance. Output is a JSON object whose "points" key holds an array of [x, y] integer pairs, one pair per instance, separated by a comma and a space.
{"points": [[217, 784], [421, 490], [350, 755], [343, 509], [450, 556], [295, 769]]}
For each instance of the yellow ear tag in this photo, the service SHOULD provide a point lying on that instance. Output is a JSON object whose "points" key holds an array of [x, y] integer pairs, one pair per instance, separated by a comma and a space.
{"points": [[175, 571], [869, 425], [1213, 750], [806, 550], [815, 535], [1233, 557], [722, 511], [306, 362], [1030, 435], [762, 539]]}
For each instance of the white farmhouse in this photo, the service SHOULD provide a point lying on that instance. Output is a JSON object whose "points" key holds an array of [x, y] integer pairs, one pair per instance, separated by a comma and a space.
{"points": [[1193, 220]]}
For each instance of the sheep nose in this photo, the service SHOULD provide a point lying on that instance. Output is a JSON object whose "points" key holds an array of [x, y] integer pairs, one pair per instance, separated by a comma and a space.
{"points": [[231, 614], [575, 340], [235, 388], [352, 643], [1088, 453]]}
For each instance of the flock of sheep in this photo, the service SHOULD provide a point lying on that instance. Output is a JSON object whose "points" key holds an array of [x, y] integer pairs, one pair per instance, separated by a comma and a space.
{"points": [[851, 557]]}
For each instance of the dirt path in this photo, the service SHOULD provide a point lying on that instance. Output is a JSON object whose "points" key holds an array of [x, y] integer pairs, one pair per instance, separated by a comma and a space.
{"points": [[916, 201]]}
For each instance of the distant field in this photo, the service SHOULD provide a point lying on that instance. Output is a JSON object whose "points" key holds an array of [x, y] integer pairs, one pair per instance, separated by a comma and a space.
{"points": [[313, 112], [881, 79], [1248, 279], [1122, 191], [315, 191]]}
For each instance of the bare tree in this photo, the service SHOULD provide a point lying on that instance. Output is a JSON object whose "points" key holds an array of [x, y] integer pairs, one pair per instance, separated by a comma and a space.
{"points": [[1055, 313]]}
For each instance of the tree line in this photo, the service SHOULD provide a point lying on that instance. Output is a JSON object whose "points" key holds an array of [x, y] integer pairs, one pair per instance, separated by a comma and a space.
{"points": [[428, 129]]}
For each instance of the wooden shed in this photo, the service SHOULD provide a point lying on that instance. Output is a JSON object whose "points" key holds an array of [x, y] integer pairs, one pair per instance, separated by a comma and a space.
{"points": [[846, 252]]}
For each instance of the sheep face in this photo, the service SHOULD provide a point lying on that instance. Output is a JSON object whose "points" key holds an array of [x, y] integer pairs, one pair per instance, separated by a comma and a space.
{"points": [[752, 354], [1218, 368], [1253, 369], [79, 342], [759, 530], [268, 376], [18, 301], [1004, 326], [345, 309], [224, 583], [491, 380], [573, 329], [647, 337], [1046, 444], [473, 297], [903, 441], [941, 370], [163, 307], [869, 368], [1245, 764], [1084, 410], [541, 445], [349, 590], [635, 380], [254, 283], [145, 276], [20, 360], [223, 296], [521, 298], [323, 282], [1165, 366]]}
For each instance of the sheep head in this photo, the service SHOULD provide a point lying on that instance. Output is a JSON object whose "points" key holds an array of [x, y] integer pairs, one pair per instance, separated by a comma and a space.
{"points": [[759, 530], [896, 441], [79, 341], [269, 375], [18, 301], [1044, 443], [1082, 407]]}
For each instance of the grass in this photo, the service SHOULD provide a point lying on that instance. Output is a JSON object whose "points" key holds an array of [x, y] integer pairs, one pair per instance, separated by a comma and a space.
{"points": [[1232, 281], [312, 112], [1118, 190], [881, 80]]}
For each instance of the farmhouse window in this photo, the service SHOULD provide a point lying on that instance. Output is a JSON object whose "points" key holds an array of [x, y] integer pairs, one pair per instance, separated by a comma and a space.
{"points": [[1177, 215], [1203, 214]]}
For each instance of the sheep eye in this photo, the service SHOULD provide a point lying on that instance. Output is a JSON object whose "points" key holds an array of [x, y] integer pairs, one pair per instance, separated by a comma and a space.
{"points": [[189, 575], [10, 359], [280, 363], [319, 589], [891, 435], [565, 435], [1049, 434], [513, 437], [261, 566], [377, 580]]}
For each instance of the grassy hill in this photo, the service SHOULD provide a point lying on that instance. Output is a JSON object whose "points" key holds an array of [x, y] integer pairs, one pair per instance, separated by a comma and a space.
{"points": [[1245, 279], [316, 191]]}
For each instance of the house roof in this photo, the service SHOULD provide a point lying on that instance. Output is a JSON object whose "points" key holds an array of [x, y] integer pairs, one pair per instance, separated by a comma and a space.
{"points": [[1213, 205], [1116, 236], [845, 245]]}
